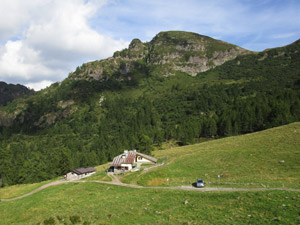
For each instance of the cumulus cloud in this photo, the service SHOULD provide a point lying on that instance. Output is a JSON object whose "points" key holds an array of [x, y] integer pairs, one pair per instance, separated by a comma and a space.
{"points": [[39, 85], [13, 16], [20, 61], [56, 37]]}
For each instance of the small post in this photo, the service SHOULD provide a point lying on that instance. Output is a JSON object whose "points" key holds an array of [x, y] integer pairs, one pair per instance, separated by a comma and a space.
{"points": [[219, 176]]}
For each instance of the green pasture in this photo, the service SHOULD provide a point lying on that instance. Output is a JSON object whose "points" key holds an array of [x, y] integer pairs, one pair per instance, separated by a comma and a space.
{"points": [[92, 203], [269, 158]]}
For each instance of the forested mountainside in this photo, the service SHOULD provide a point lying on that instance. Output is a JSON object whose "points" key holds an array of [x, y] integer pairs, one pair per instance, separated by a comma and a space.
{"points": [[179, 86], [8, 92]]}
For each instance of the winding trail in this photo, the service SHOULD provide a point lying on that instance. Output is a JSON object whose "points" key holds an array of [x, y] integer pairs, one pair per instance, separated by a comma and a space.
{"points": [[35, 191], [115, 181]]}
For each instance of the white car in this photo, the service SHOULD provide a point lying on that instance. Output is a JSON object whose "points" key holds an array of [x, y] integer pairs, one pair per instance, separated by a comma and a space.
{"points": [[200, 183]]}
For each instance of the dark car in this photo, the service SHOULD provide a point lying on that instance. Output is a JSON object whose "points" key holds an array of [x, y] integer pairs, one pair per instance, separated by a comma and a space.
{"points": [[200, 183]]}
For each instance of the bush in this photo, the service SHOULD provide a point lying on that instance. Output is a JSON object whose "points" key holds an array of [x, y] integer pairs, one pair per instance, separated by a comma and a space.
{"points": [[75, 219], [49, 221]]}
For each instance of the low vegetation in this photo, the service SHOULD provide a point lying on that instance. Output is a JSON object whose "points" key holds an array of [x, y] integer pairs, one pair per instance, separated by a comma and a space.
{"points": [[20, 189], [268, 158], [91, 203]]}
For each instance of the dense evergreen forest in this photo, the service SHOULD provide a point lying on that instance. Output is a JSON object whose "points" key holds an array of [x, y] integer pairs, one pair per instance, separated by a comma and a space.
{"points": [[250, 93]]}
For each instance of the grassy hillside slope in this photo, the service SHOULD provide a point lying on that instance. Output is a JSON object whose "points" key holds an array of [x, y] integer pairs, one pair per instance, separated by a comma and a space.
{"points": [[20, 189], [267, 158], [91, 203], [253, 158]]}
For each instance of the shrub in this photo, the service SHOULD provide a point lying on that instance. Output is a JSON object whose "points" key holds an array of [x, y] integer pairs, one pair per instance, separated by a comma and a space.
{"points": [[75, 219], [49, 221]]}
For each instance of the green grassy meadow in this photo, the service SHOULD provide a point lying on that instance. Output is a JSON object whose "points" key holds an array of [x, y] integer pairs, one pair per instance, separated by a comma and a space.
{"points": [[21, 189], [92, 203], [269, 158]]}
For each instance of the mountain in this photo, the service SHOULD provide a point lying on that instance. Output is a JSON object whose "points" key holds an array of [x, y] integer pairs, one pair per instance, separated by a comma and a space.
{"points": [[9, 92], [180, 87], [168, 53]]}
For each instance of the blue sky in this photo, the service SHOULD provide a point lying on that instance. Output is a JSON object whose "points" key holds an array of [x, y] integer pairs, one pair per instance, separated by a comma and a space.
{"points": [[255, 25], [41, 41]]}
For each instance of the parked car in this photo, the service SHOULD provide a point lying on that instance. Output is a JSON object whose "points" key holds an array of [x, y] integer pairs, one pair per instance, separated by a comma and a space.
{"points": [[200, 183]]}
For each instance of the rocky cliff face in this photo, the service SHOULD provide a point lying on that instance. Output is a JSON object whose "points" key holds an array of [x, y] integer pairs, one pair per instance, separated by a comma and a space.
{"points": [[167, 53]]}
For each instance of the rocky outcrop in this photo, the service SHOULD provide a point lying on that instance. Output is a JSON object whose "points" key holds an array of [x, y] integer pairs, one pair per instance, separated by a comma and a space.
{"points": [[167, 53], [190, 53], [51, 118], [6, 120], [65, 104]]}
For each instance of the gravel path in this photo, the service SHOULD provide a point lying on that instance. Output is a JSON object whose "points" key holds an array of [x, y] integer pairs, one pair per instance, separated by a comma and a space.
{"points": [[36, 190], [117, 182]]}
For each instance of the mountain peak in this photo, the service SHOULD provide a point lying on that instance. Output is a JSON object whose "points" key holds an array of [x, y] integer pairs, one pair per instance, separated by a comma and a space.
{"points": [[190, 52], [172, 35], [135, 44], [168, 53]]}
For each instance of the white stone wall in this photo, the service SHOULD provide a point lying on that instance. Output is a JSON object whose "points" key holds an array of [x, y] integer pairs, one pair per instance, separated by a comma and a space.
{"points": [[140, 159], [74, 176], [71, 176], [129, 166]]}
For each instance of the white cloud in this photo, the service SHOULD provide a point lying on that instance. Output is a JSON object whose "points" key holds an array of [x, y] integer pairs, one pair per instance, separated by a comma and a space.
{"points": [[13, 15], [39, 85], [56, 37], [19, 61]]}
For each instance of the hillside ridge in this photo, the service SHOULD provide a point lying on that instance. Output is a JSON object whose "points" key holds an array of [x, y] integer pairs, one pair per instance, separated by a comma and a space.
{"points": [[9, 92], [168, 52]]}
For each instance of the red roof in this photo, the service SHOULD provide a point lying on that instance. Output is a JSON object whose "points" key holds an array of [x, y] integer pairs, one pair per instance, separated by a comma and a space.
{"points": [[125, 158]]}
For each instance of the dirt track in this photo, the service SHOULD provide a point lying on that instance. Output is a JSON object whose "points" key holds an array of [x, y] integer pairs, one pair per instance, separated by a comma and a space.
{"points": [[36, 190], [117, 182], [191, 188]]}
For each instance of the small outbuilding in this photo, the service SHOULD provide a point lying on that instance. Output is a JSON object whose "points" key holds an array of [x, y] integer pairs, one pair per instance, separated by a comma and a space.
{"points": [[130, 160], [79, 173]]}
